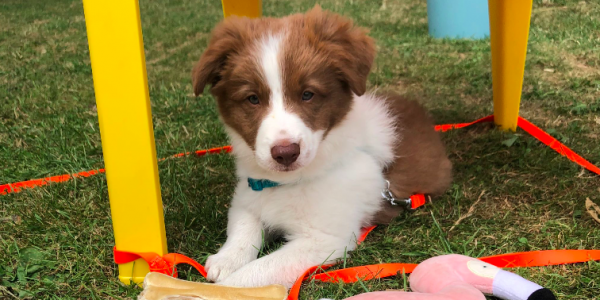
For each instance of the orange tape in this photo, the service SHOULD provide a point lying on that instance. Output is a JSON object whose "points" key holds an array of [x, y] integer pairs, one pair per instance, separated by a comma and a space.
{"points": [[365, 233], [557, 146], [542, 258], [160, 264], [447, 127], [19, 186], [417, 201]]}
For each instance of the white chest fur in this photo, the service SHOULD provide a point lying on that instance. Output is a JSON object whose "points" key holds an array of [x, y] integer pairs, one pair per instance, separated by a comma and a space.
{"points": [[320, 208], [337, 203]]}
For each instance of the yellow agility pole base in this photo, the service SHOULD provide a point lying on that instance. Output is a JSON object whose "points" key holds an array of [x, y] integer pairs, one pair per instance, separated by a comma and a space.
{"points": [[509, 32], [242, 8], [119, 71], [124, 113]]}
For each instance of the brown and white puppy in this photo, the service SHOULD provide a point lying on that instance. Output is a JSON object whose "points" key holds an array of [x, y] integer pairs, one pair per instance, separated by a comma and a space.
{"points": [[312, 148]]}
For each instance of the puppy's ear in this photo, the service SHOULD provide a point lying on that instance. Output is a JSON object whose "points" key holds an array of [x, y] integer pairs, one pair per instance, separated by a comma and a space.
{"points": [[351, 49], [227, 38]]}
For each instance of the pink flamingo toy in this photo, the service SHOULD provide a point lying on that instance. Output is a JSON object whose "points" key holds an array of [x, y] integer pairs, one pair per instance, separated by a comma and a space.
{"points": [[459, 277]]}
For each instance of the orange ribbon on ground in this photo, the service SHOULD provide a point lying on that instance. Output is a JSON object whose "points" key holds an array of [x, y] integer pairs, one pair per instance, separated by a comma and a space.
{"points": [[18, 186], [557, 146], [160, 264]]}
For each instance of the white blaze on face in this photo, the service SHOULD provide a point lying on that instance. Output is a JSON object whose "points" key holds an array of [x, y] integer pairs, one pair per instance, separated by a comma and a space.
{"points": [[280, 127]]}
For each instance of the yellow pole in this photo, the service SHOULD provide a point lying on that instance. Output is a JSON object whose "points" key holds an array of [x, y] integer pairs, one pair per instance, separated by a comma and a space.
{"points": [[246, 8], [120, 83], [509, 31]]}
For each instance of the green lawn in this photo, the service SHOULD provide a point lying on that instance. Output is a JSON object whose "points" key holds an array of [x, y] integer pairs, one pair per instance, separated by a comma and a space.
{"points": [[56, 241]]}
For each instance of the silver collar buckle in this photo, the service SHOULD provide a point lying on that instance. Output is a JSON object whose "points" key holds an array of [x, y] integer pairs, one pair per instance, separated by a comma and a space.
{"points": [[389, 196]]}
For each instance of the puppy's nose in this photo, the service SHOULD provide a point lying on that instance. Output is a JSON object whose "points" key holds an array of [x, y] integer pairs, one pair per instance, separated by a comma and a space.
{"points": [[285, 155]]}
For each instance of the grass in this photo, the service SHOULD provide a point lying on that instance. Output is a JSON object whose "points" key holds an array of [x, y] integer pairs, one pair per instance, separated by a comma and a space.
{"points": [[56, 241]]}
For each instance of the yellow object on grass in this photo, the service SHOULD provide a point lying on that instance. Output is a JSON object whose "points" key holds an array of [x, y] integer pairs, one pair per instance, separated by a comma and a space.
{"points": [[121, 88], [242, 8], [509, 30]]}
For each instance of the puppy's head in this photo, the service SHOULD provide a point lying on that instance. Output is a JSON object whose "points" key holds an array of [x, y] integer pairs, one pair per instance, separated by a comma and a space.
{"points": [[282, 84]]}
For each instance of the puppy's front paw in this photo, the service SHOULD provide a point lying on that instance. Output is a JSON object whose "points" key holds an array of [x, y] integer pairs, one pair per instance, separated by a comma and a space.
{"points": [[219, 266], [243, 279], [257, 274]]}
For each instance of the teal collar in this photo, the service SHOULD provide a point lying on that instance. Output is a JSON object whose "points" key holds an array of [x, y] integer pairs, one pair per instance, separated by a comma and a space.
{"points": [[260, 184]]}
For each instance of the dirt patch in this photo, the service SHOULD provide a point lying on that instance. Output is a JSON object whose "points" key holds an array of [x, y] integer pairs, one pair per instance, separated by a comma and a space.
{"points": [[40, 22], [396, 10], [568, 66], [4, 26], [170, 52], [548, 74], [579, 68], [534, 111]]}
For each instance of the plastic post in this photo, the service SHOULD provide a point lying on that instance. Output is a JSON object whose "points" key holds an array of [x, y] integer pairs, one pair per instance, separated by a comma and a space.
{"points": [[242, 8], [120, 83], [509, 32]]}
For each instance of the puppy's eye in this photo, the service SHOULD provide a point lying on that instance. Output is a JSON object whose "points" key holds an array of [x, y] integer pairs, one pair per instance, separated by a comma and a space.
{"points": [[307, 95], [253, 99]]}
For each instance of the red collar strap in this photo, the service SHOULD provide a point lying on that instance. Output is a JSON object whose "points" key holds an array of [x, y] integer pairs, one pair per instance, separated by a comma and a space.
{"points": [[418, 200]]}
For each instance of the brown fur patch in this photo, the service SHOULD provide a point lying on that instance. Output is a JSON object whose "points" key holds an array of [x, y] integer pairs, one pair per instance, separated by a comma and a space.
{"points": [[326, 55], [322, 53], [421, 165]]}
